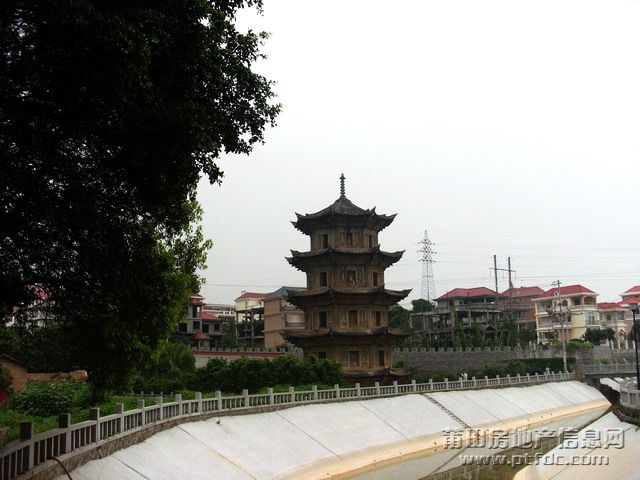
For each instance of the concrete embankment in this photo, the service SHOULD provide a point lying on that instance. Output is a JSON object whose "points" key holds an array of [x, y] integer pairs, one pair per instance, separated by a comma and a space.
{"points": [[605, 449], [331, 440]]}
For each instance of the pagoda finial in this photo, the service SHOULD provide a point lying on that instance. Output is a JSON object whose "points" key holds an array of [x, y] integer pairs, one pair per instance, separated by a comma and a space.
{"points": [[342, 185]]}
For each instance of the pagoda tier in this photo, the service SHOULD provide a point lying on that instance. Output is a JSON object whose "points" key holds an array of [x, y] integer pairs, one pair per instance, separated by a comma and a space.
{"points": [[342, 213], [347, 296], [344, 256], [343, 337]]}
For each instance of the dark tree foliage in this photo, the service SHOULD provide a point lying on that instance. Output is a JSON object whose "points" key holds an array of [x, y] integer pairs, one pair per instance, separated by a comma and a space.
{"points": [[110, 112], [421, 305]]}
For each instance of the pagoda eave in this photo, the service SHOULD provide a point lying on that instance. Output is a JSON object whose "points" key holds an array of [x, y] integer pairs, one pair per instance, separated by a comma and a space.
{"points": [[352, 296], [308, 225], [365, 256]]}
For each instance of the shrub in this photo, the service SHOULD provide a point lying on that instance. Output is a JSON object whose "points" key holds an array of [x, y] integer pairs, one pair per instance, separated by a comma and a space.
{"points": [[5, 378], [43, 399]]}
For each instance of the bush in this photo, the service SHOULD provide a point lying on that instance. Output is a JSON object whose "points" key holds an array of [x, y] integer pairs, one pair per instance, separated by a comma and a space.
{"points": [[43, 399], [255, 374], [5, 378]]}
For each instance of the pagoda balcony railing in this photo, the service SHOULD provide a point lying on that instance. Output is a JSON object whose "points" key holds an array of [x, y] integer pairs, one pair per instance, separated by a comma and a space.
{"points": [[32, 453]]}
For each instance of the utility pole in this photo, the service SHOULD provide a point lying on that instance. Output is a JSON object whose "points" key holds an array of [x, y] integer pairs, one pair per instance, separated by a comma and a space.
{"points": [[495, 273], [562, 329], [428, 286]]}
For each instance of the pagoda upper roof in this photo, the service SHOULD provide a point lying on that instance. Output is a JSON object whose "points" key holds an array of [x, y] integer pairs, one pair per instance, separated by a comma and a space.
{"points": [[346, 296], [300, 259], [342, 332], [342, 209]]}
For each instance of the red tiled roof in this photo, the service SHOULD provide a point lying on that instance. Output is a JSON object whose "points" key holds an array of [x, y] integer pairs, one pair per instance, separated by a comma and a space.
{"points": [[635, 289], [206, 315], [197, 299], [568, 290], [629, 300], [608, 305], [200, 336], [251, 296], [468, 292], [523, 292]]}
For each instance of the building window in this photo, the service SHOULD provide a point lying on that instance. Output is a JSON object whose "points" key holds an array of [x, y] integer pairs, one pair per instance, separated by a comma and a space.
{"points": [[216, 327], [381, 358], [322, 319], [205, 327], [378, 315], [351, 277], [196, 325], [591, 318], [324, 240], [182, 328], [376, 279], [354, 358], [322, 355], [324, 279], [353, 318], [349, 238], [194, 311]]}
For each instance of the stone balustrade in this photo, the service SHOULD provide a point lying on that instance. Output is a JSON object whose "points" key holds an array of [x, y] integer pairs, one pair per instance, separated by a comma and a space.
{"points": [[32, 452]]}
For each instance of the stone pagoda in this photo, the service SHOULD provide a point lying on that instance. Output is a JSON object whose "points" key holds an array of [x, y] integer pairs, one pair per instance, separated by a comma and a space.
{"points": [[346, 304]]}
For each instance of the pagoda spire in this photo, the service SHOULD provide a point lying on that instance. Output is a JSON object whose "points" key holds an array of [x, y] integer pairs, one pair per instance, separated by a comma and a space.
{"points": [[342, 195]]}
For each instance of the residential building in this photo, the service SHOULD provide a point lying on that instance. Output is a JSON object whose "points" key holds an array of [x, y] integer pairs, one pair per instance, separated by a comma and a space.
{"points": [[615, 316], [632, 292], [203, 326], [466, 308], [280, 315], [250, 318], [346, 303], [571, 309], [519, 302]]}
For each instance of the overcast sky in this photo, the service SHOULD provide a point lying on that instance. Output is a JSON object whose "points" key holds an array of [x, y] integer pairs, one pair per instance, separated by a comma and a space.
{"points": [[501, 127]]}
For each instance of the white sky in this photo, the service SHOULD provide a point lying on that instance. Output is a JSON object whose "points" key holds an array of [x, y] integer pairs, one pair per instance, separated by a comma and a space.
{"points": [[501, 127]]}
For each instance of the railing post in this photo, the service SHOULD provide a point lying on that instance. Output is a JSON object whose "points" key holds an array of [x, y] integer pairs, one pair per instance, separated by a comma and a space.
{"points": [[64, 421], [431, 384], [486, 380], [395, 386], [270, 393], [314, 390], [120, 411], [528, 377], [94, 414], [475, 383], [178, 400], [336, 388], [160, 409], [199, 400], [26, 433], [219, 399], [414, 386], [518, 378], [140, 405], [508, 379], [446, 384], [292, 394], [497, 379], [358, 392], [245, 399], [377, 386]]}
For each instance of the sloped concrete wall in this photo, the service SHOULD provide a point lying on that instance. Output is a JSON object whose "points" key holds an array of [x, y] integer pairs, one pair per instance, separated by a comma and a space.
{"points": [[296, 441]]}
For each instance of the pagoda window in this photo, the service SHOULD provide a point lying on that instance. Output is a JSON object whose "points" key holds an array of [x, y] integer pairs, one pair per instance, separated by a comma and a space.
{"points": [[376, 279], [381, 358], [322, 355], [351, 277], [354, 358], [353, 318], [324, 240], [322, 319], [378, 315], [349, 238], [324, 279], [371, 242]]}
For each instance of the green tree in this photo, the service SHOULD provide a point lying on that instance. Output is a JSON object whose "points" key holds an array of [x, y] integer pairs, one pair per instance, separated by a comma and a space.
{"points": [[399, 317], [111, 113], [421, 305]]}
